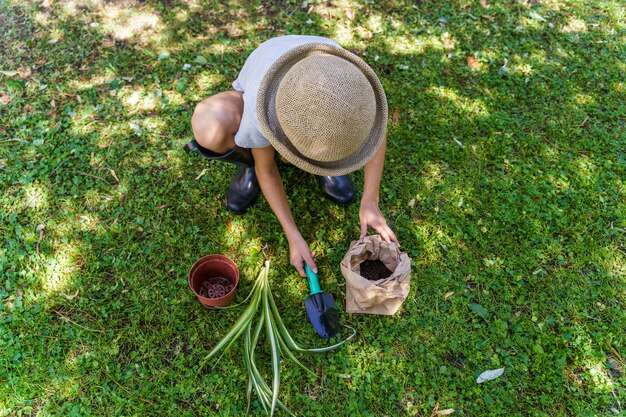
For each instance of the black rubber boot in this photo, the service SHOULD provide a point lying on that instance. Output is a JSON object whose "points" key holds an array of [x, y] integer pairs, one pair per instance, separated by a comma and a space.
{"points": [[340, 190], [244, 187]]}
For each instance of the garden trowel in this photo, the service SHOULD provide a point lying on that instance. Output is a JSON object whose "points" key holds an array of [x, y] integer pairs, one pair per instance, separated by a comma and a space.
{"points": [[320, 306]]}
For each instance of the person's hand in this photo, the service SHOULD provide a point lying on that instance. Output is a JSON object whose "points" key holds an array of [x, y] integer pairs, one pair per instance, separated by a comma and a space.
{"points": [[370, 216], [299, 253]]}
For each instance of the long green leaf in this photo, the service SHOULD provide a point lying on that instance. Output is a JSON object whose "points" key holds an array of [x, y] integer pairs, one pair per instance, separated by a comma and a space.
{"points": [[275, 346], [246, 360], [249, 358], [265, 393], [238, 328], [290, 355], [292, 343]]}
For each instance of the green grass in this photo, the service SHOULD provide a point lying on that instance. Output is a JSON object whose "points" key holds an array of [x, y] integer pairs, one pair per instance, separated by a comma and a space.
{"points": [[504, 182]]}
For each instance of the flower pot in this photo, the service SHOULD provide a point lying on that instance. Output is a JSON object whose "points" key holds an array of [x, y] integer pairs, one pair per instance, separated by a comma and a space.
{"points": [[213, 279]]}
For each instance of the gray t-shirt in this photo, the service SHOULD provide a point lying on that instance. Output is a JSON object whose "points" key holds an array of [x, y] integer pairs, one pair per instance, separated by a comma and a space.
{"points": [[260, 60]]}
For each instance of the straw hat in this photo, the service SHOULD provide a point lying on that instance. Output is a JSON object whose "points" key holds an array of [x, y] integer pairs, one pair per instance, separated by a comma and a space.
{"points": [[323, 109]]}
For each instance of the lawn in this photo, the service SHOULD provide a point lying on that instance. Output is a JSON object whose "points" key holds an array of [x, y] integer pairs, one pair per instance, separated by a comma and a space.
{"points": [[505, 182]]}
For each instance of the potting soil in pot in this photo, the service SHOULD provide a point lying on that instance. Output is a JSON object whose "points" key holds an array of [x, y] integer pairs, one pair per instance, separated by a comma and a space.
{"points": [[374, 270], [215, 287]]}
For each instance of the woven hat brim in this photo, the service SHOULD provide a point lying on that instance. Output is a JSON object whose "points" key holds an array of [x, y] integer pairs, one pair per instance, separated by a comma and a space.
{"points": [[266, 112]]}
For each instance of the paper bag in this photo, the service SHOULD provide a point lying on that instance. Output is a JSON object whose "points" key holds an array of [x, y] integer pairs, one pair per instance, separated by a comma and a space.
{"points": [[384, 296]]}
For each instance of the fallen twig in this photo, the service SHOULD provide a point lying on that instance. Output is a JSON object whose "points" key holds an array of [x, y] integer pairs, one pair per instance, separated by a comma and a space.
{"points": [[91, 175], [61, 163], [14, 140], [125, 389], [79, 325]]}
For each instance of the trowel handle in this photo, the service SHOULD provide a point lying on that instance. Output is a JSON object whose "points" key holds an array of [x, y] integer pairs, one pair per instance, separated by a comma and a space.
{"points": [[314, 284]]}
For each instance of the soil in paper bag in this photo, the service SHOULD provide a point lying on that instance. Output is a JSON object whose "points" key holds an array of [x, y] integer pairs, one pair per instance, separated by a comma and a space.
{"points": [[374, 270]]}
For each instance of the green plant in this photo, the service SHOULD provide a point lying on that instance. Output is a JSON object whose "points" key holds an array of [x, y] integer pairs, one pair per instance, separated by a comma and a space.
{"points": [[262, 304]]}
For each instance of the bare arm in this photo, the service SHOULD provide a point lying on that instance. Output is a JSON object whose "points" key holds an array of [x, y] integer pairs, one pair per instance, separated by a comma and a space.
{"points": [[369, 213], [272, 187]]}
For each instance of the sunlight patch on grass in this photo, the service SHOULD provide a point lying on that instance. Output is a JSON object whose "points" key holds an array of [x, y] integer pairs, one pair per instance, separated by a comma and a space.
{"points": [[174, 97], [432, 174], [236, 227], [584, 99], [59, 268], [558, 183], [43, 19], [123, 23], [109, 133], [616, 264], [96, 200], [138, 100], [428, 233], [575, 25], [83, 121], [182, 15], [104, 77], [87, 222], [207, 81], [471, 107], [586, 169], [66, 387], [599, 377], [406, 44], [157, 129], [344, 35], [35, 197]]}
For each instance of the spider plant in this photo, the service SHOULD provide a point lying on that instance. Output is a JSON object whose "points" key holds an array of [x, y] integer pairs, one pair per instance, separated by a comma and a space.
{"points": [[263, 313]]}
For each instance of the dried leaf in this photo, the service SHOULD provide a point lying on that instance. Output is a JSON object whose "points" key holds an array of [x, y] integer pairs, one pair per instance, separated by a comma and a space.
{"points": [[9, 73], [135, 128], [24, 72], [536, 16], [448, 44], [3, 163], [114, 175], [488, 17], [473, 62], [445, 412], [394, 118], [204, 171], [458, 142], [489, 375], [412, 203], [4, 98], [485, 4], [614, 369], [448, 295], [71, 297], [112, 93], [366, 33], [350, 14], [435, 409]]}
